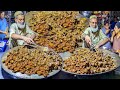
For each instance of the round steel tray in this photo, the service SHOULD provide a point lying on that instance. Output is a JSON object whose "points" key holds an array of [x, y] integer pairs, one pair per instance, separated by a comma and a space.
{"points": [[113, 55], [25, 76]]}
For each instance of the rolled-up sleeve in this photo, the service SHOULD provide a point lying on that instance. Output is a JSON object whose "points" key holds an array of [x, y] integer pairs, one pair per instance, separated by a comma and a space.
{"points": [[86, 32], [29, 31], [12, 29]]}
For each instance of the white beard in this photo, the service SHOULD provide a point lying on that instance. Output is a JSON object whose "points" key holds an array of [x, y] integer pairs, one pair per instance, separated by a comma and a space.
{"points": [[21, 25]]}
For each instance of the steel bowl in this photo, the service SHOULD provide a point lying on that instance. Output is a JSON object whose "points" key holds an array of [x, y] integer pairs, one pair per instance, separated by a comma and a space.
{"points": [[25, 76], [105, 52]]}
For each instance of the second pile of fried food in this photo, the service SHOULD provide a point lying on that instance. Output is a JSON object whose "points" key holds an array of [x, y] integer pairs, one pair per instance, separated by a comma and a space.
{"points": [[84, 61]]}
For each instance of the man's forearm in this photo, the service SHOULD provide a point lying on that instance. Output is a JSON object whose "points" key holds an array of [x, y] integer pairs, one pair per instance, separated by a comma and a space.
{"points": [[6, 29], [1, 32], [103, 42], [16, 36]]}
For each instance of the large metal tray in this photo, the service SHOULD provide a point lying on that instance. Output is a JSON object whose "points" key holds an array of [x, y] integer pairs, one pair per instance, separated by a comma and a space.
{"points": [[113, 55], [25, 76]]}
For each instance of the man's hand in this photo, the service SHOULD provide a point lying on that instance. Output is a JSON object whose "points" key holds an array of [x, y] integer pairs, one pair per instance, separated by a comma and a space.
{"points": [[118, 51], [113, 34], [111, 39], [6, 33], [87, 39], [28, 40]]}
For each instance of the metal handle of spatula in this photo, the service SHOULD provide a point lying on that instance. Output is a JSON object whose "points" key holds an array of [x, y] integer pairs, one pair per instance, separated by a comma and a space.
{"points": [[32, 45], [92, 47]]}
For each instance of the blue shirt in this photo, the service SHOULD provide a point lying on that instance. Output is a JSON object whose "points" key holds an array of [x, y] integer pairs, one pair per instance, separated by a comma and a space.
{"points": [[108, 44], [3, 26], [108, 34], [113, 25]]}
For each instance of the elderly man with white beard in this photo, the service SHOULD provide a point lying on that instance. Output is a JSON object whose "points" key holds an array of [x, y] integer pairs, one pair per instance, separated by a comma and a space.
{"points": [[20, 33], [93, 36]]}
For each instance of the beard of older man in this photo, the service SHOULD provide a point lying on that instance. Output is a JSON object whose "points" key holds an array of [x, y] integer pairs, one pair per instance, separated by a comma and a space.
{"points": [[21, 25]]}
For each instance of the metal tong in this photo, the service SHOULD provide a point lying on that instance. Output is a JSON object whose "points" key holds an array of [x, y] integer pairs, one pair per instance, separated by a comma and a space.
{"points": [[92, 47], [33, 45]]}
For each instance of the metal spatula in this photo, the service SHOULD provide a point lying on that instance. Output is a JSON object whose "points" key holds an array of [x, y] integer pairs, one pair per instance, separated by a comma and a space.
{"points": [[92, 48], [33, 45]]}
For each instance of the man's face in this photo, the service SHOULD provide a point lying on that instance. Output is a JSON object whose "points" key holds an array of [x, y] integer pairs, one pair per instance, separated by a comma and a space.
{"points": [[20, 19], [115, 19], [93, 23], [107, 25], [116, 29], [2, 15]]}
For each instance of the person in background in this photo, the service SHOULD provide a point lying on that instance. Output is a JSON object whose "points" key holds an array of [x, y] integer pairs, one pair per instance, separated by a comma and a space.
{"points": [[93, 35], [104, 17], [20, 33], [106, 30], [3, 26], [113, 23], [115, 39], [86, 14]]}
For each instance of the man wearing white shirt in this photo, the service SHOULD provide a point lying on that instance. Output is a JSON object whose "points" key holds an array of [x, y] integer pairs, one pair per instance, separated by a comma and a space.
{"points": [[20, 33]]}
